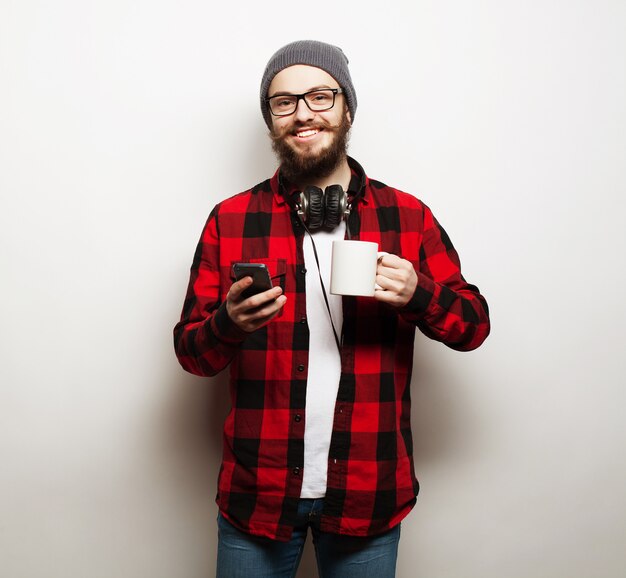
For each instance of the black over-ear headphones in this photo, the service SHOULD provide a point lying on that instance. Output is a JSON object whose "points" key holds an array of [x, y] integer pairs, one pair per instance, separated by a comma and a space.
{"points": [[325, 209], [317, 208]]}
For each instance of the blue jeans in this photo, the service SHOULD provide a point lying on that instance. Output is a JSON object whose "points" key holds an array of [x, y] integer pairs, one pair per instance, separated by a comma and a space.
{"points": [[240, 555]]}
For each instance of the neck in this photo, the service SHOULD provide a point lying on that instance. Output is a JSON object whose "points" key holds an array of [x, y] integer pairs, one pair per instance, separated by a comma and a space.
{"points": [[341, 175]]}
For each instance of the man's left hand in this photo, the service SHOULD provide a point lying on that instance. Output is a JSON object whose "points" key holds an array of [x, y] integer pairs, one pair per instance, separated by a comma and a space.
{"points": [[397, 280]]}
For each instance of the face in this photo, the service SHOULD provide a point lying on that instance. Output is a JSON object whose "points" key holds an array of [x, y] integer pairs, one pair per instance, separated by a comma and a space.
{"points": [[309, 144]]}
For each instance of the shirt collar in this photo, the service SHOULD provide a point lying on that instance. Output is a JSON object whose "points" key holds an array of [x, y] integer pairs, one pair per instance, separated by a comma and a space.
{"points": [[357, 189]]}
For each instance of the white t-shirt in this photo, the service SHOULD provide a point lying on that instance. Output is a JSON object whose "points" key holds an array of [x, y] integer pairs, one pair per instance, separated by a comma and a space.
{"points": [[324, 362]]}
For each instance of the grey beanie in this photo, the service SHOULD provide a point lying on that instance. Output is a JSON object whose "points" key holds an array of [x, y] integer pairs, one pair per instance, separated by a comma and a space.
{"points": [[313, 53]]}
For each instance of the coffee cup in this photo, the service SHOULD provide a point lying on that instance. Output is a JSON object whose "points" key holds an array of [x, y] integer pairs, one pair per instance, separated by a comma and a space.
{"points": [[353, 268]]}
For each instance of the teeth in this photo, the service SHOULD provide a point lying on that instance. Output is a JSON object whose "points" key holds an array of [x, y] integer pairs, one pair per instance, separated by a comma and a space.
{"points": [[306, 133]]}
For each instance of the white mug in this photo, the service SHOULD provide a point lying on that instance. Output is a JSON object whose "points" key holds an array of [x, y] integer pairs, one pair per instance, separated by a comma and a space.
{"points": [[353, 268]]}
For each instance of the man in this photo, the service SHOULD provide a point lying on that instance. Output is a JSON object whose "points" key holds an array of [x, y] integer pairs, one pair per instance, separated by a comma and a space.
{"points": [[319, 431]]}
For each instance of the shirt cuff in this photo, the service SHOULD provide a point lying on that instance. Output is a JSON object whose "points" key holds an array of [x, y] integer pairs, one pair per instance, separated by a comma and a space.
{"points": [[422, 298], [224, 328]]}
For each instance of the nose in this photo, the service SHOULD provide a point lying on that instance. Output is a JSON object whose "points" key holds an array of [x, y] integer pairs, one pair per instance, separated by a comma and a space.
{"points": [[303, 112]]}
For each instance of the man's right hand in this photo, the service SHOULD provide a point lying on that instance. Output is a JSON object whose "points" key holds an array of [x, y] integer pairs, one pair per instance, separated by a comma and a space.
{"points": [[254, 312]]}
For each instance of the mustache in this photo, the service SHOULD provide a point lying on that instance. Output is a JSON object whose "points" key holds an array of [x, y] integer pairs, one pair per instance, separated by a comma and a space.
{"points": [[298, 126]]}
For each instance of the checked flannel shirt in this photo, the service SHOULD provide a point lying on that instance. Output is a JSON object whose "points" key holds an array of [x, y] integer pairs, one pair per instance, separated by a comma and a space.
{"points": [[371, 483]]}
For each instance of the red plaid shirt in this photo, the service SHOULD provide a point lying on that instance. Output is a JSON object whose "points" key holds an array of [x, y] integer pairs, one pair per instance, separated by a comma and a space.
{"points": [[371, 483]]}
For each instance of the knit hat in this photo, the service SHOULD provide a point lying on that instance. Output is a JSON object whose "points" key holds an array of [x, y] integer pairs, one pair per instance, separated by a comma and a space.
{"points": [[313, 53]]}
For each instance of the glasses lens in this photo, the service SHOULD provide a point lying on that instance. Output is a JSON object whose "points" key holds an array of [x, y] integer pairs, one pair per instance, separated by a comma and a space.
{"points": [[282, 105], [320, 99]]}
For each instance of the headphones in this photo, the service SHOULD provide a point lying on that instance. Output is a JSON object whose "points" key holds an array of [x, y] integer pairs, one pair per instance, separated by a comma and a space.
{"points": [[325, 209]]}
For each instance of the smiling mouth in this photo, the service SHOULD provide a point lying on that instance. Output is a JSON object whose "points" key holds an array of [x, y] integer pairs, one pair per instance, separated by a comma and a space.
{"points": [[307, 133]]}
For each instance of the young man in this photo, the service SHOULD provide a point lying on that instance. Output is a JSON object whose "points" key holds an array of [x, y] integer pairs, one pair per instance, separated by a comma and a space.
{"points": [[319, 432]]}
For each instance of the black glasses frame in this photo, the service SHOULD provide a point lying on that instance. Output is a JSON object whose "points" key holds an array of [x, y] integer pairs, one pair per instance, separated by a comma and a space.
{"points": [[299, 97]]}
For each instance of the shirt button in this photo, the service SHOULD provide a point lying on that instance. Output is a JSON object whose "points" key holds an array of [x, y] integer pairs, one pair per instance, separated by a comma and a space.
{"points": [[300, 367], [298, 417], [296, 471], [303, 270], [303, 320]]}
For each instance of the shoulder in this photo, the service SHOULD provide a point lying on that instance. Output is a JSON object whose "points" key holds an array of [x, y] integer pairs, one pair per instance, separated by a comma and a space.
{"points": [[255, 197], [384, 195]]}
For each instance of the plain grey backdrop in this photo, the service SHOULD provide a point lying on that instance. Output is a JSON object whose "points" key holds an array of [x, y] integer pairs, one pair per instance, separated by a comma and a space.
{"points": [[123, 122]]}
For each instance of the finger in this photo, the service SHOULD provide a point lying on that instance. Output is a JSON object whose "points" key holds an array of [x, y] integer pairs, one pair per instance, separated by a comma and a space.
{"points": [[238, 287], [241, 310], [395, 275], [401, 273], [387, 283], [259, 299], [385, 296], [254, 319], [268, 309], [392, 296], [389, 260], [394, 262]]}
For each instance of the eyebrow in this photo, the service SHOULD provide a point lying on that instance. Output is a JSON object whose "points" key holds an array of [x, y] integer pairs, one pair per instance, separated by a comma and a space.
{"points": [[285, 93]]}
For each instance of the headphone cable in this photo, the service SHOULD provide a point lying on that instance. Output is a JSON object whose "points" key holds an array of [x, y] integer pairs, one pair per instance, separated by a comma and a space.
{"points": [[319, 271]]}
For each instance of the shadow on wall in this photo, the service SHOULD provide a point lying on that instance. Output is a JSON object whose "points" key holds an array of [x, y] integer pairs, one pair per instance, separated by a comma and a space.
{"points": [[195, 415], [436, 395], [191, 436]]}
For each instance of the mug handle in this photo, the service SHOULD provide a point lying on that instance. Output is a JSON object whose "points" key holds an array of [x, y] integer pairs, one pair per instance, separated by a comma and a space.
{"points": [[379, 258]]}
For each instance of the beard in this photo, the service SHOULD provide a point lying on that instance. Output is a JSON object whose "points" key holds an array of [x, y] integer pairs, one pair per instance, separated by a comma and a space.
{"points": [[302, 167]]}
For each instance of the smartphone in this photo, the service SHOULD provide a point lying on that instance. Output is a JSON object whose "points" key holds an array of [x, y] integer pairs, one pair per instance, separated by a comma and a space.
{"points": [[260, 277]]}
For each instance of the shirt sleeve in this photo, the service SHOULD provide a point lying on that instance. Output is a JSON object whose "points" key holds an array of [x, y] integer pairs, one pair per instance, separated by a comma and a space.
{"points": [[205, 338], [444, 306]]}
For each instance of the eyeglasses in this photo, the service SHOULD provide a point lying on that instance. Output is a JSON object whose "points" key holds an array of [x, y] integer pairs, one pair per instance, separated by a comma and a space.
{"points": [[317, 101]]}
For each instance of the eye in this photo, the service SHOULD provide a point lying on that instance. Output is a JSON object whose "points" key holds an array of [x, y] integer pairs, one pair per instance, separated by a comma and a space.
{"points": [[280, 103], [320, 97]]}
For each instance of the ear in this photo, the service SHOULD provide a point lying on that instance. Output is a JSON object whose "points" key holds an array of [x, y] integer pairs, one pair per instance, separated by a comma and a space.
{"points": [[348, 115]]}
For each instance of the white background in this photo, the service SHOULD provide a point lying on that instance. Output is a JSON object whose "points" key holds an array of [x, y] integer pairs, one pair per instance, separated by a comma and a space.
{"points": [[123, 122]]}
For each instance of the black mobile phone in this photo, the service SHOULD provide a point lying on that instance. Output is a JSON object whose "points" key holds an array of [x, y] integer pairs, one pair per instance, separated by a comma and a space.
{"points": [[260, 277]]}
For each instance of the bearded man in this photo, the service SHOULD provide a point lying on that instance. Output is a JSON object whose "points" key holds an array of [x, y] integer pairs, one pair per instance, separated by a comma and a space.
{"points": [[319, 434]]}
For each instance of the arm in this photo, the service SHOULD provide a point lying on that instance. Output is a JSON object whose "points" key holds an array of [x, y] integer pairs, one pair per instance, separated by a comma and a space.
{"points": [[211, 329], [436, 297]]}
